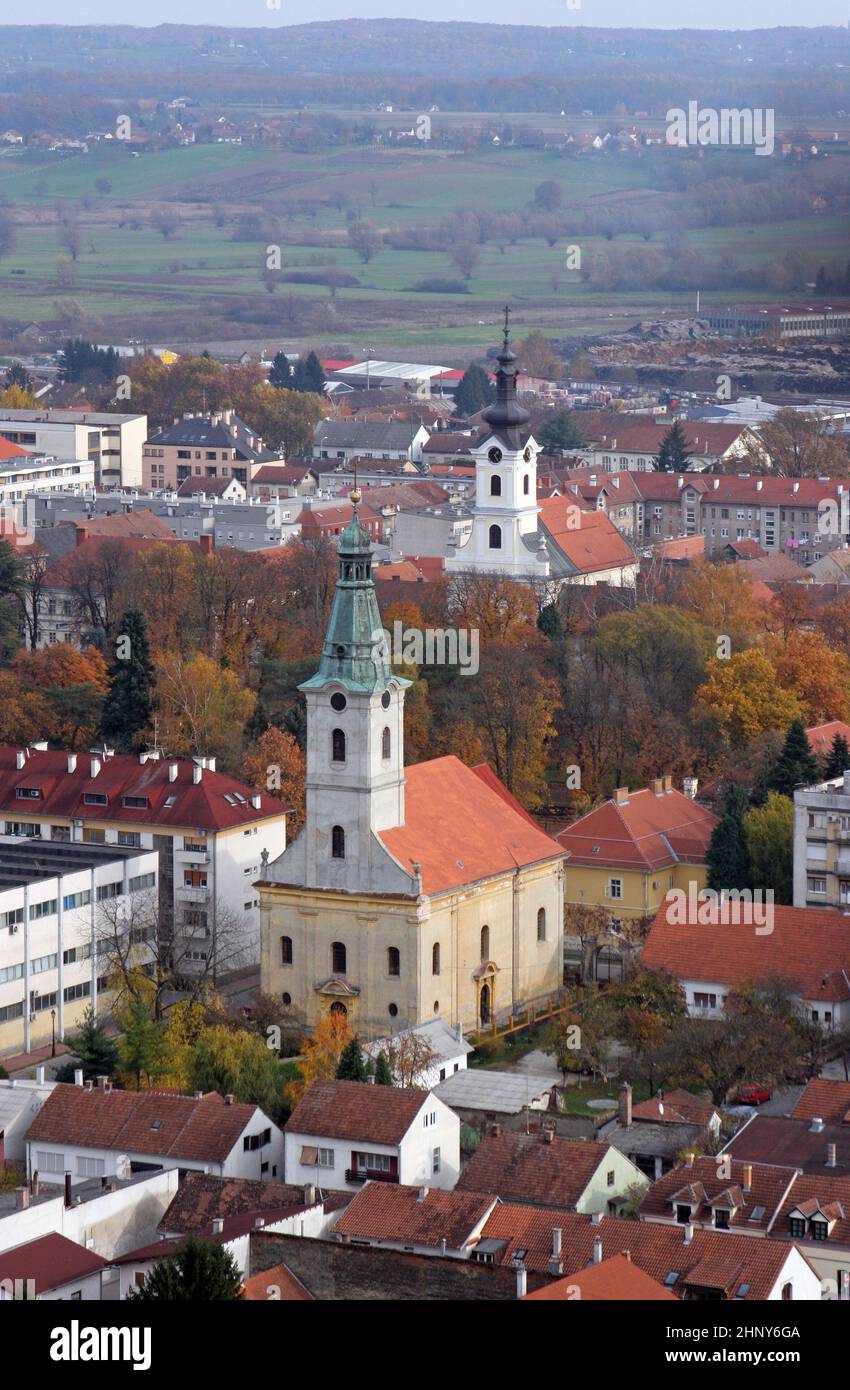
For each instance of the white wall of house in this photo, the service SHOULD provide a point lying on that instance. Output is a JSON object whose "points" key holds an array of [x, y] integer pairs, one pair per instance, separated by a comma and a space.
{"points": [[805, 1282], [113, 1222], [433, 1138], [614, 1176], [830, 1015]]}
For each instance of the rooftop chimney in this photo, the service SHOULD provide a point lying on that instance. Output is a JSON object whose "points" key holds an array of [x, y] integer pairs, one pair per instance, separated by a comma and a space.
{"points": [[668, 784], [206, 543], [689, 1232], [95, 766], [39, 1075], [830, 1156], [747, 1177], [256, 801], [521, 1280], [101, 1081], [82, 534], [689, 1160], [657, 786], [596, 1218], [69, 1201], [172, 772], [197, 773], [72, 762], [597, 1250], [423, 1193], [309, 1195], [625, 1106], [443, 1244], [22, 1198], [78, 1076], [556, 1242], [690, 786], [218, 1225], [20, 758], [621, 796], [228, 1099]]}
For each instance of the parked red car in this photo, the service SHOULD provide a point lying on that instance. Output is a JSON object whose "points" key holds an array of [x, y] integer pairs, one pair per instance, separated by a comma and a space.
{"points": [[753, 1095]]}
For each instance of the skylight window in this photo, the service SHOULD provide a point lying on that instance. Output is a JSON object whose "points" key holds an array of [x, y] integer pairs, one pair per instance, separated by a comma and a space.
{"points": [[756, 1214], [170, 800]]}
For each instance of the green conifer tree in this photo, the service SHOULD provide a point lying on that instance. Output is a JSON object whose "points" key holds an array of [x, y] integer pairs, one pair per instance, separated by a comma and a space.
{"points": [[727, 859], [796, 763], [127, 707]]}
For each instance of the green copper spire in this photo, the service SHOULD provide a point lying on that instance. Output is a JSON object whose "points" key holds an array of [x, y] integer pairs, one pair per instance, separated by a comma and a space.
{"points": [[355, 652]]}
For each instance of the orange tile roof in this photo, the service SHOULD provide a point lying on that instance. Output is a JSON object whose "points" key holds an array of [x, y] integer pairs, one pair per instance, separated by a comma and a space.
{"points": [[808, 945], [674, 1108], [595, 544], [460, 830], [152, 1122], [51, 1261], [614, 1279], [825, 1100], [713, 1259], [8, 450], [277, 1284], [356, 1110], [527, 1168], [384, 1211], [647, 831], [759, 1190], [821, 736]]}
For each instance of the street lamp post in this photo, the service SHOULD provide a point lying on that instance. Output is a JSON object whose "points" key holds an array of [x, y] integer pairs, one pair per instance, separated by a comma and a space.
{"points": [[53, 1032]]}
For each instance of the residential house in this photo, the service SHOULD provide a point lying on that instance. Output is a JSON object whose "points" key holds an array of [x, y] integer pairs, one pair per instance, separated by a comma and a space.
{"points": [[815, 1147], [634, 445], [732, 942], [329, 519], [23, 472], [106, 1215], [214, 445], [653, 1133], [210, 831], [826, 1100], [832, 568], [421, 1220], [585, 547], [543, 1170], [822, 841], [628, 853], [822, 736], [445, 1047], [482, 1096], [343, 1133], [20, 1101], [271, 481], [209, 489], [352, 438], [98, 1131], [51, 1268]]}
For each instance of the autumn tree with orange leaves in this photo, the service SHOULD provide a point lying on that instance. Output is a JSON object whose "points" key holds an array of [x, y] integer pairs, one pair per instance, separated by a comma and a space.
{"points": [[320, 1054], [276, 765]]}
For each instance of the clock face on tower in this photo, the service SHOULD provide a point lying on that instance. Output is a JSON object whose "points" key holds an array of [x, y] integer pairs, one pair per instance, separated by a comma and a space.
{"points": [[495, 455], [527, 455]]}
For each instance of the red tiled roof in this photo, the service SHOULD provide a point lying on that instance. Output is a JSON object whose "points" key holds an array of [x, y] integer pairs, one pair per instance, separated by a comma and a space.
{"points": [[152, 1122], [746, 550], [327, 518], [808, 945], [60, 573], [674, 1108], [356, 1110], [825, 1100], [713, 1259], [459, 830], [758, 1189], [51, 1261], [197, 805], [594, 544], [285, 1288], [719, 488], [281, 473], [821, 736], [527, 1168], [795, 1142], [489, 778], [646, 832], [8, 450], [203, 1197], [211, 487], [684, 548], [614, 1279], [645, 437], [817, 1191], [384, 1211]]}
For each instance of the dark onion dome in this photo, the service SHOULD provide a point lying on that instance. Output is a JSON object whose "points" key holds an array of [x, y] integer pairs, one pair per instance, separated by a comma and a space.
{"points": [[506, 416]]}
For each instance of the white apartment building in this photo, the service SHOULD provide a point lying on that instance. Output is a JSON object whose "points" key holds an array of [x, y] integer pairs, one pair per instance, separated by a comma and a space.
{"points": [[49, 899], [210, 831], [822, 844], [112, 443], [30, 473]]}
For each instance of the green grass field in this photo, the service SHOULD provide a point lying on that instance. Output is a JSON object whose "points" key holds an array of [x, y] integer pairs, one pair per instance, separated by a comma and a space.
{"points": [[194, 282]]}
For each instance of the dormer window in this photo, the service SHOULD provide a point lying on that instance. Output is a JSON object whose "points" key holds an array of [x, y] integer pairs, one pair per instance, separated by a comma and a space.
{"points": [[721, 1219], [95, 799], [683, 1213], [135, 802], [818, 1228], [797, 1228], [27, 793]]}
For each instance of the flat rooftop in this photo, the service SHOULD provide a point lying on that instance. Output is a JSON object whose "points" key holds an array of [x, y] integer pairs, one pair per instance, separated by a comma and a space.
{"points": [[507, 1092], [67, 417], [33, 860]]}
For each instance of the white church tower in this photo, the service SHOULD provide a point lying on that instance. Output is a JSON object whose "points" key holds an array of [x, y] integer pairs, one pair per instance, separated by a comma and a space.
{"points": [[504, 537]]}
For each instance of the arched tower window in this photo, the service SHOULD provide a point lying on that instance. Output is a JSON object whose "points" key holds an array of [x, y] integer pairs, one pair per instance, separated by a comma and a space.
{"points": [[338, 746], [286, 950], [339, 958], [541, 924], [495, 486], [485, 943], [393, 961], [435, 958], [386, 743], [526, 484], [495, 537], [338, 842]]}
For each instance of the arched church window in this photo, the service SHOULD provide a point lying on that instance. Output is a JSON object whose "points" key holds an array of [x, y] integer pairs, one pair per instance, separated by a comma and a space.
{"points": [[339, 958], [541, 924], [286, 950], [338, 746], [435, 958], [485, 943], [495, 486], [495, 537], [393, 961], [338, 842], [386, 743], [526, 484]]}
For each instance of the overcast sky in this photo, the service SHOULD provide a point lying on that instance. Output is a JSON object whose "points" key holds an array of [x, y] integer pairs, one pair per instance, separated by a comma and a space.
{"points": [[650, 14]]}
